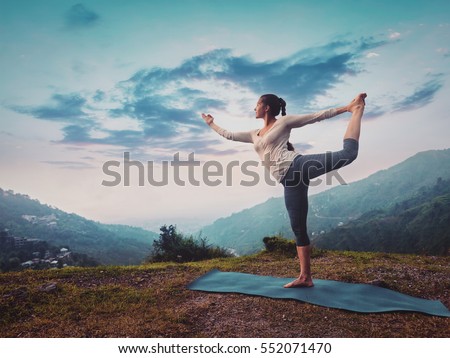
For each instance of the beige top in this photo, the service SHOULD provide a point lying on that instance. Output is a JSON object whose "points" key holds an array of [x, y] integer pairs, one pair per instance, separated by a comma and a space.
{"points": [[272, 145]]}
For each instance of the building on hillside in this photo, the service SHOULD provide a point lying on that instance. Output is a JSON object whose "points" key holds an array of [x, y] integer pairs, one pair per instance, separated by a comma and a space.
{"points": [[23, 241]]}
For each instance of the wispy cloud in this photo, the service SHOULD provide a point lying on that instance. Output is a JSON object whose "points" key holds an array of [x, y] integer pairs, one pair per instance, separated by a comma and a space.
{"points": [[422, 95], [369, 43], [64, 164], [76, 134], [62, 108], [79, 16], [374, 111], [394, 35], [372, 55], [444, 51], [5, 133]]}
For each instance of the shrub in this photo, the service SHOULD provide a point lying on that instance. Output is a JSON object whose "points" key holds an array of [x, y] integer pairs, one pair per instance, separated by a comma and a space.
{"points": [[173, 246], [279, 244], [284, 246]]}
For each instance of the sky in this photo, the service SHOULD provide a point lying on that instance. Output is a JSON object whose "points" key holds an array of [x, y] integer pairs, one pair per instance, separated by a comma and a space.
{"points": [[87, 87]]}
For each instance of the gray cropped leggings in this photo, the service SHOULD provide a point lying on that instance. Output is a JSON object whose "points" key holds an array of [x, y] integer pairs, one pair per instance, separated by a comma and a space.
{"points": [[296, 182]]}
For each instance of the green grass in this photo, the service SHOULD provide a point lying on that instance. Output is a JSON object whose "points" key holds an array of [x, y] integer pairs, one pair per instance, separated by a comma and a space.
{"points": [[152, 300]]}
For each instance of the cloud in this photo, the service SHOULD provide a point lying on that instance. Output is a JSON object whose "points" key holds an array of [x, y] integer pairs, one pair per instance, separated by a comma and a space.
{"points": [[296, 78], [62, 108], [164, 103], [443, 51], [99, 96], [68, 164], [167, 101], [394, 35], [422, 96], [190, 146], [5, 133], [76, 134], [368, 43], [372, 55], [78, 16], [374, 111], [81, 135]]}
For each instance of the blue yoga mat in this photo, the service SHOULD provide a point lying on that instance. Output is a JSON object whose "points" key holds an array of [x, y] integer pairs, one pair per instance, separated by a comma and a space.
{"points": [[348, 296]]}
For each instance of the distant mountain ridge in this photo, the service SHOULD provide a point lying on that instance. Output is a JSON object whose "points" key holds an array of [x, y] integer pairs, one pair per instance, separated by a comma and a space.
{"points": [[108, 244], [244, 231]]}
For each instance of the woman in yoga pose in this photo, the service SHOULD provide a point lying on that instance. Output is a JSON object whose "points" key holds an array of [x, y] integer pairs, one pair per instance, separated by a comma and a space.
{"points": [[294, 170]]}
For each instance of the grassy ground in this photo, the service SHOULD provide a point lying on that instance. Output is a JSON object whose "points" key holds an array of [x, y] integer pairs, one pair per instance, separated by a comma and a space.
{"points": [[152, 300]]}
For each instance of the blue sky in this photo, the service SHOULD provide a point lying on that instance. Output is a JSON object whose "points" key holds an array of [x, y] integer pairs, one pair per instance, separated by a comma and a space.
{"points": [[84, 82]]}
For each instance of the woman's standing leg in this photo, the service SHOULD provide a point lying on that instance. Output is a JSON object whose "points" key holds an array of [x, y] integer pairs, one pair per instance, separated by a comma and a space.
{"points": [[296, 200]]}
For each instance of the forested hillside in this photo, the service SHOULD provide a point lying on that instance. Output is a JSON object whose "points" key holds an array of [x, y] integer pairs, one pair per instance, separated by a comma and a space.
{"points": [[108, 244], [417, 225]]}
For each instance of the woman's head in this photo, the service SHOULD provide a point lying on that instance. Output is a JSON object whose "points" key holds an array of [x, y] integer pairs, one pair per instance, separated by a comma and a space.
{"points": [[275, 104]]}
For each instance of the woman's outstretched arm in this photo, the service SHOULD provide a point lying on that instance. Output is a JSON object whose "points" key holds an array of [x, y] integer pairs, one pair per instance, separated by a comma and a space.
{"points": [[296, 121], [236, 136]]}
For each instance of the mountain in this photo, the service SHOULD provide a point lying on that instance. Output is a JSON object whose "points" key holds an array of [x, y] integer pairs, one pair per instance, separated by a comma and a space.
{"points": [[417, 225], [108, 244], [337, 206]]}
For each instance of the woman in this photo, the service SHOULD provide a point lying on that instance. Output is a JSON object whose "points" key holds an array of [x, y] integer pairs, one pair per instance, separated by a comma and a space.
{"points": [[293, 170]]}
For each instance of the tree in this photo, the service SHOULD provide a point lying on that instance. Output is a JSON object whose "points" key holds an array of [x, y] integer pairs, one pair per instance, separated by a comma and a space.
{"points": [[169, 242]]}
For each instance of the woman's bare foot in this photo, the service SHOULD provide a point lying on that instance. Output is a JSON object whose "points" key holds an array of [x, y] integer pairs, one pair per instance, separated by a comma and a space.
{"points": [[300, 282], [357, 102]]}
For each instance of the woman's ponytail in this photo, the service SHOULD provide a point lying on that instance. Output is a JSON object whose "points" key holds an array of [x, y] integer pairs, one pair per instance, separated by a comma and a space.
{"points": [[283, 113], [282, 106]]}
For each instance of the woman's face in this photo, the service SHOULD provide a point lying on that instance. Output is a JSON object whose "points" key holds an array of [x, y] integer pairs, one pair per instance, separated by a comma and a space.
{"points": [[260, 109]]}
